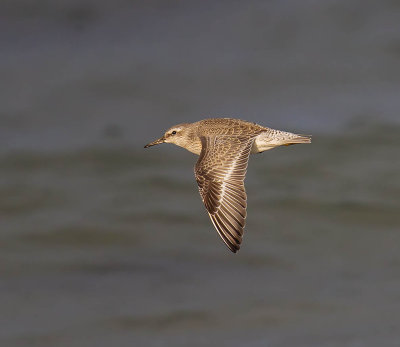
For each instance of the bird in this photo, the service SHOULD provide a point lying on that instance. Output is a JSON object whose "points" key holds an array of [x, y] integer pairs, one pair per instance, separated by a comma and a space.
{"points": [[224, 146]]}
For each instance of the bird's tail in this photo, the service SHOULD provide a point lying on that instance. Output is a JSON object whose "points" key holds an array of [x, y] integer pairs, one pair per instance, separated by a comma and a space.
{"points": [[293, 139], [275, 138]]}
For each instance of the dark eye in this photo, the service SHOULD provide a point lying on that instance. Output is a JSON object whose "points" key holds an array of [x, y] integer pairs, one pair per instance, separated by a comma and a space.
{"points": [[173, 133]]}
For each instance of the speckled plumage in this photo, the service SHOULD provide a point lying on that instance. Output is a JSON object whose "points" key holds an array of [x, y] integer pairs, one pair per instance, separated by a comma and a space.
{"points": [[224, 146]]}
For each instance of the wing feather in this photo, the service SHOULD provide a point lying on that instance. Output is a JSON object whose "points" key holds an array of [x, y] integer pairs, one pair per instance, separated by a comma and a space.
{"points": [[220, 173]]}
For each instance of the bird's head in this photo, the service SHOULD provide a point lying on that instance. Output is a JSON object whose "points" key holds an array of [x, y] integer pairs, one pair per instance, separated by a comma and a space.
{"points": [[176, 135]]}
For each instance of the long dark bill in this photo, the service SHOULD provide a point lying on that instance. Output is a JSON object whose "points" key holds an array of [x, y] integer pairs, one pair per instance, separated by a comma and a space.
{"points": [[156, 142]]}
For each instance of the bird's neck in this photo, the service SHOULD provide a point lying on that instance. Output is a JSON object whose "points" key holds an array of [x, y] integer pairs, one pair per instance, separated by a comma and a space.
{"points": [[191, 141], [193, 145]]}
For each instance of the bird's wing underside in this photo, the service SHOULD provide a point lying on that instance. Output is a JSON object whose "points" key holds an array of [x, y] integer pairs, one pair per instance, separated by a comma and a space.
{"points": [[220, 173]]}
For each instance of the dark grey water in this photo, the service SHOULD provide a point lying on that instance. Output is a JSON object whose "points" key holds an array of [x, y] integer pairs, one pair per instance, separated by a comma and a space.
{"points": [[103, 243]]}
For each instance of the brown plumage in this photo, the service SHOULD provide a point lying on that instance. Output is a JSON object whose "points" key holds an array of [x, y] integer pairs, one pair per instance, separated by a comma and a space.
{"points": [[224, 146]]}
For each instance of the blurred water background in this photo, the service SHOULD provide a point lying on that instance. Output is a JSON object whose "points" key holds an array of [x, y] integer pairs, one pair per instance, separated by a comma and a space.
{"points": [[103, 243]]}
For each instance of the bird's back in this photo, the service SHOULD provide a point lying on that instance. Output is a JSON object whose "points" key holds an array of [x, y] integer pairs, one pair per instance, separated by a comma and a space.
{"points": [[228, 126]]}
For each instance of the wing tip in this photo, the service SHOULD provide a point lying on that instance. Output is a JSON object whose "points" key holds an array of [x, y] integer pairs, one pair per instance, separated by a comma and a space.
{"points": [[234, 251], [234, 244], [234, 248]]}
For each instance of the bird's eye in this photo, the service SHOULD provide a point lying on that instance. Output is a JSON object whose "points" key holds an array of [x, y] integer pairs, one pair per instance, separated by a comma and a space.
{"points": [[173, 133]]}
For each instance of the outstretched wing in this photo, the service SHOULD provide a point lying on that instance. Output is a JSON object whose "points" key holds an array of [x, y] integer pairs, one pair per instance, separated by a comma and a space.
{"points": [[220, 173]]}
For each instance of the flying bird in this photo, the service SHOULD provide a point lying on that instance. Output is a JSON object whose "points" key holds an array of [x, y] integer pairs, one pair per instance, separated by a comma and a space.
{"points": [[224, 146]]}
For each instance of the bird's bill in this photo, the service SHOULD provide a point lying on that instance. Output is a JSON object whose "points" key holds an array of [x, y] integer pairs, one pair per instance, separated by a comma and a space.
{"points": [[156, 142]]}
